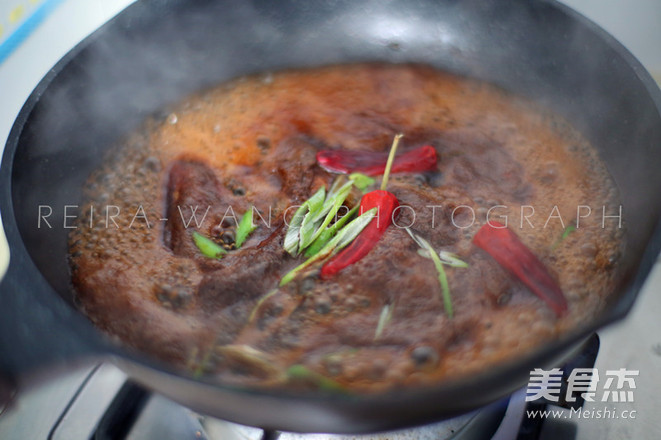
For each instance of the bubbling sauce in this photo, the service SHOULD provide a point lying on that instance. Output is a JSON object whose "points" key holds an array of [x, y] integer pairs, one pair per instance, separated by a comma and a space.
{"points": [[252, 142]]}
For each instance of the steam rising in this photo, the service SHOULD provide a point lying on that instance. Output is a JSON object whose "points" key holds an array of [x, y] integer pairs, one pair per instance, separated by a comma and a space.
{"points": [[153, 54]]}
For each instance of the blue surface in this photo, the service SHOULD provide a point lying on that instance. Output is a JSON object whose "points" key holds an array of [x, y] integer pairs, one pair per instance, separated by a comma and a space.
{"points": [[26, 28]]}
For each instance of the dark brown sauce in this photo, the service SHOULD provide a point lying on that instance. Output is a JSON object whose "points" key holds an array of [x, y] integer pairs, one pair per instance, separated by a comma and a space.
{"points": [[253, 142]]}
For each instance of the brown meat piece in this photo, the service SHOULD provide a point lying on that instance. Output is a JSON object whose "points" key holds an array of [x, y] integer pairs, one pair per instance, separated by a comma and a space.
{"points": [[192, 188]]}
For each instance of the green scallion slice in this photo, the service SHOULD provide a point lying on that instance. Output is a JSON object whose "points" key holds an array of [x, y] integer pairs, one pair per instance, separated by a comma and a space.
{"points": [[329, 233], [245, 228], [341, 240], [208, 247], [301, 372], [361, 181]]}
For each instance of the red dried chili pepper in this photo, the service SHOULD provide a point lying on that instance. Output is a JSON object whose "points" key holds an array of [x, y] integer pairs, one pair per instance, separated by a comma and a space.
{"points": [[386, 203], [373, 163], [508, 250]]}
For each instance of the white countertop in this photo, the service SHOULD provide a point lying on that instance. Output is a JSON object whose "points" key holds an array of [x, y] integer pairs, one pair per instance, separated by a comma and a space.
{"points": [[634, 343]]}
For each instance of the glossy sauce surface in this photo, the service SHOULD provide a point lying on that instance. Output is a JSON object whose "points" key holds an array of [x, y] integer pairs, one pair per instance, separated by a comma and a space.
{"points": [[252, 142]]}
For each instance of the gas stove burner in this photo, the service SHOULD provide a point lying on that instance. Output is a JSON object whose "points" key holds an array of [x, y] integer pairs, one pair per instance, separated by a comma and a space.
{"points": [[135, 414], [183, 423], [465, 427]]}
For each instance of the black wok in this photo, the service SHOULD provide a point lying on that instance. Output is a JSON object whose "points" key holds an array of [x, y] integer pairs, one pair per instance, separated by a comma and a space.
{"points": [[158, 51]]}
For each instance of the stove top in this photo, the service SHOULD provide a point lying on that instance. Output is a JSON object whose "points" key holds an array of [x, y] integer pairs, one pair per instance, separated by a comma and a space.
{"points": [[84, 402]]}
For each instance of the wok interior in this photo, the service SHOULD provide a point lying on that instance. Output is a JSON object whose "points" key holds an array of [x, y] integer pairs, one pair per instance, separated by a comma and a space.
{"points": [[126, 73], [156, 53]]}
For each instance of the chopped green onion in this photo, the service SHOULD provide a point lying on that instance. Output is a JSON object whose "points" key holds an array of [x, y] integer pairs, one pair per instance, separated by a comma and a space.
{"points": [[329, 233], [442, 278], [331, 207], [343, 353], [351, 231], [292, 237], [361, 181], [309, 228], [451, 259], [384, 319], [310, 221], [245, 228], [301, 372], [309, 209], [252, 358], [341, 240], [443, 257], [202, 366], [391, 158], [259, 303], [448, 258], [415, 238], [568, 230], [208, 247], [192, 363]]}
